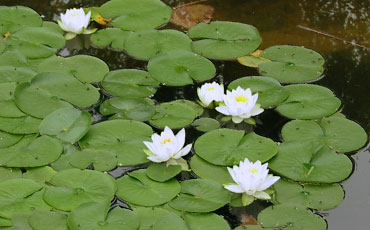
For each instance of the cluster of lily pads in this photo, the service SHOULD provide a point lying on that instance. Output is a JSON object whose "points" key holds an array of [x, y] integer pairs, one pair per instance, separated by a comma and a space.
{"points": [[53, 160]]}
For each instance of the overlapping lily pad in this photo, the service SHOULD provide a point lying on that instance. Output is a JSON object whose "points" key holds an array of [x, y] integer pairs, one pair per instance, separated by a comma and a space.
{"points": [[8, 139], [31, 152], [292, 64], [206, 124], [150, 215], [321, 197], [309, 102], [73, 187], [18, 17], [9, 109], [85, 68], [122, 137], [140, 109], [149, 43], [101, 160], [139, 189], [169, 222], [20, 125], [337, 133], [209, 221], [42, 220], [130, 83], [110, 36], [39, 174], [136, 15], [224, 40], [206, 170], [227, 147], [300, 162], [9, 173], [161, 172], [199, 195], [180, 67], [270, 92], [9, 73]]}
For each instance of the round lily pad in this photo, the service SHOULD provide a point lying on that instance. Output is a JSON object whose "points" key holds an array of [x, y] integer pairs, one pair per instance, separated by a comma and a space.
{"points": [[180, 67], [149, 215], [169, 222], [199, 195], [321, 197], [206, 170], [130, 83], [67, 124], [270, 92], [48, 92], [138, 188], [8, 139], [308, 102], [140, 109], [292, 64], [9, 109], [161, 172], [85, 68], [95, 216], [31, 152], [102, 160], [122, 137], [178, 114], [42, 220], [18, 17], [149, 43], [209, 221], [227, 147], [110, 36], [300, 162], [337, 133], [73, 187], [20, 125], [224, 40], [206, 124], [290, 217], [136, 15]]}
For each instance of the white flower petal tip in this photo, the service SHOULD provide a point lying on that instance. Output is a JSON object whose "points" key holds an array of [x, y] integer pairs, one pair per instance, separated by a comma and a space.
{"points": [[75, 21], [240, 104], [252, 179], [209, 93], [168, 148]]}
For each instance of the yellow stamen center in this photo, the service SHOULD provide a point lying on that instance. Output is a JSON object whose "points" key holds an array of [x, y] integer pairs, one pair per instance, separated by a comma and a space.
{"points": [[211, 88], [74, 15], [168, 140], [253, 170], [241, 98]]}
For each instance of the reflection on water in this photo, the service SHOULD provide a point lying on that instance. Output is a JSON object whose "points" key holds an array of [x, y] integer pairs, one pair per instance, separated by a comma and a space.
{"points": [[347, 68]]}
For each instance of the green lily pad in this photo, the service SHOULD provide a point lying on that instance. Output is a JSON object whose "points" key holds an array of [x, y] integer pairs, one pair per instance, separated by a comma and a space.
{"points": [[270, 92], [67, 124], [7, 91], [31, 152], [48, 92], [180, 67], [224, 40], [85, 68], [20, 196], [8, 139], [308, 102], [140, 109], [110, 36], [292, 64], [123, 137], [16, 74], [95, 216], [73, 187], [139, 189], [290, 217], [20, 125], [209, 221], [9, 173], [299, 161], [18, 17], [39, 174], [206, 170], [13, 58], [227, 147], [337, 133], [178, 114], [130, 83], [9, 109], [252, 60], [102, 160], [20, 221], [149, 43], [136, 15], [169, 222], [206, 124], [160, 172], [63, 161], [199, 195], [150, 215], [42, 220], [321, 197]]}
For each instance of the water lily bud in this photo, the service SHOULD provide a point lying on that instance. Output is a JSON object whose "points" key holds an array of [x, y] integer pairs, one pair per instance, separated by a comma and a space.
{"points": [[210, 92], [75, 21]]}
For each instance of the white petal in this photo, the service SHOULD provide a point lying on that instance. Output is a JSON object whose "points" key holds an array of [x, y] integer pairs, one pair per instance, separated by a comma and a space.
{"points": [[183, 151], [180, 137], [270, 180], [223, 110], [234, 188]]}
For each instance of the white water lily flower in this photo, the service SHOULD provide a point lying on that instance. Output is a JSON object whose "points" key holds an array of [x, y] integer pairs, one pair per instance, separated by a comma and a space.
{"points": [[210, 92], [251, 180], [168, 148], [240, 104], [75, 21]]}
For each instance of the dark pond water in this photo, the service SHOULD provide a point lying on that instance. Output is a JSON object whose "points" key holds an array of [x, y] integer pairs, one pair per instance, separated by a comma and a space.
{"points": [[338, 29]]}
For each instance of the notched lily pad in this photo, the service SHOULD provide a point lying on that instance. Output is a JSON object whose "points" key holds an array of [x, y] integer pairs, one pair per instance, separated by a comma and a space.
{"points": [[110, 36], [102, 160], [206, 124], [42, 220], [206, 170], [160, 172], [210, 221]]}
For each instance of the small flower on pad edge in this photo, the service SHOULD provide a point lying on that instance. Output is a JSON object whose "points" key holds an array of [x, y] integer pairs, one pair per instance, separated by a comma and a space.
{"points": [[74, 22], [210, 92], [168, 148], [240, 104], [251, 180]]}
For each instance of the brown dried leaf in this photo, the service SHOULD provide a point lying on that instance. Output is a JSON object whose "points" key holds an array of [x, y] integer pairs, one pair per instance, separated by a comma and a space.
{"points": [[190, 15], [248, 220]]}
